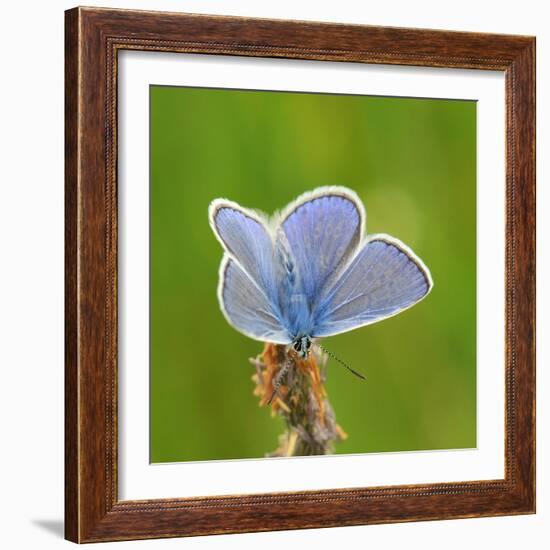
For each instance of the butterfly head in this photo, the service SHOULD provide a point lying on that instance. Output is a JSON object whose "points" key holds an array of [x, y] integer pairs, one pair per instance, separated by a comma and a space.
{"points": [[301, 345]]}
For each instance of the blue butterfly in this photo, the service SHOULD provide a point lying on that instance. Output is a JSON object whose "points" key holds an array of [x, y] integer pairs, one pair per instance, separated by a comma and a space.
{"points": [[310, 271]]}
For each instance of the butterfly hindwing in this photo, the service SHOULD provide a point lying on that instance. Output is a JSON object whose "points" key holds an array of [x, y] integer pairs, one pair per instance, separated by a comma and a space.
{"points": [[246, 307], [384, 278]]}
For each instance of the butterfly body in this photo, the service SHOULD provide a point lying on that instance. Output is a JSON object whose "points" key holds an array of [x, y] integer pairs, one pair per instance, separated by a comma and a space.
{"points": [[310, 271], [301, 345]]}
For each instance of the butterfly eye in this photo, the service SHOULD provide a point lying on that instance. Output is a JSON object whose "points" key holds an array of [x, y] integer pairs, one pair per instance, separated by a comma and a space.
{"points": [[297, 345]]}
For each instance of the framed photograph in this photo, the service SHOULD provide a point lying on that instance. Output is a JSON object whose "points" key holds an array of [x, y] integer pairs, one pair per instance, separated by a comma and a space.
{"points": [[300, 275]]}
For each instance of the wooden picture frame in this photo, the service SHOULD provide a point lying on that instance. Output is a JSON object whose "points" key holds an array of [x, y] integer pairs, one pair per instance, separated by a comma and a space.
{"points": [[93, 511]]}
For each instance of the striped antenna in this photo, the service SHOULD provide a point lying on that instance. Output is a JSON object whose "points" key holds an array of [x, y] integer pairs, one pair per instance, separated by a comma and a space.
{"points": [[337, 359]]}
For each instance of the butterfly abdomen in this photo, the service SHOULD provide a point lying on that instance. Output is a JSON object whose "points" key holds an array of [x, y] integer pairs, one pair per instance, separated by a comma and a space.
{"points": [[288, 278], [293, 302]]}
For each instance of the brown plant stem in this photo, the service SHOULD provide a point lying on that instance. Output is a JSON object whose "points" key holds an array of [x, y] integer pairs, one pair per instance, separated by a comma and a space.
{"points": [[301, 400]]}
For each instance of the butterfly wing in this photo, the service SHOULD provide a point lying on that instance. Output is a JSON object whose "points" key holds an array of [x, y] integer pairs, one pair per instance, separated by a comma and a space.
{"points": [[248, 290], [245, 238], [383, 279], [246, 306], [323, 228]]}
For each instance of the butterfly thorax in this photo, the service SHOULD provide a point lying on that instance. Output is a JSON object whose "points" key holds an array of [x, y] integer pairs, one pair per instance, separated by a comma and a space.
{"points": [[301, 346]]}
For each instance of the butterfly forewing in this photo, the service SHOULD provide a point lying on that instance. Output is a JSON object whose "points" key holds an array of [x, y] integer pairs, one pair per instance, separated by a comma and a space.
{"points": [[383, 279], [247, 241], [323, 229]]}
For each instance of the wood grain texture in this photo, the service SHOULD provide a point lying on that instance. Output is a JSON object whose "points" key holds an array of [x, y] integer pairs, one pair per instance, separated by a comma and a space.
{"points": [[93, 38], [71, 270]]}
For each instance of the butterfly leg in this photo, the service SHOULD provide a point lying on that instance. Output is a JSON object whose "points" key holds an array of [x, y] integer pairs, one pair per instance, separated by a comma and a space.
{"points": [[279, 379]]}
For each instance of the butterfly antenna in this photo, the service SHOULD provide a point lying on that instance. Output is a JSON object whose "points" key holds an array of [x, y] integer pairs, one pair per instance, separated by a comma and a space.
{"points": [[337, 359], [278, 380]]}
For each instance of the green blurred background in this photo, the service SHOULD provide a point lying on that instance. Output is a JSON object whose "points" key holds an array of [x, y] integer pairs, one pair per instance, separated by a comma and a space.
{"points": [[413, 163]]}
